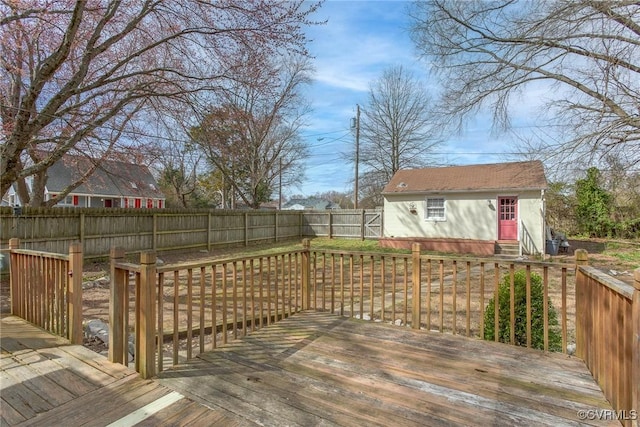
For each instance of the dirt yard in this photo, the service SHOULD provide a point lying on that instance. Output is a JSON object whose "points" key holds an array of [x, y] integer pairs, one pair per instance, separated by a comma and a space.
{"points": [[96, 280]]}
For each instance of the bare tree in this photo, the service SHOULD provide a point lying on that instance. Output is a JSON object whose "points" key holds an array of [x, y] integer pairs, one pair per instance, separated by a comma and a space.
{"points": [[585, 53], [75, 76], [253, 136], [395, 127]]}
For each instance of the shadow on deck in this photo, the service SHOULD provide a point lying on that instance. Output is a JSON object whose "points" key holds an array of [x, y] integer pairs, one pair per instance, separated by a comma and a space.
{"points": [[46, 381]]}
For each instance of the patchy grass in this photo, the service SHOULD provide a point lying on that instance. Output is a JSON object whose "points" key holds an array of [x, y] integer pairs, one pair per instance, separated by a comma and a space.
{"points": [[627, 252]]}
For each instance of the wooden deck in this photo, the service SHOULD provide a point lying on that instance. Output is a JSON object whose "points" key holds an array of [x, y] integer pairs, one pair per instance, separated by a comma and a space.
{"points": [[45, 381], [321, 369], [310, 369]]}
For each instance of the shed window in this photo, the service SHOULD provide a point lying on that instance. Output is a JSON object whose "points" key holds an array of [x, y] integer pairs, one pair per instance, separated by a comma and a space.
{"points": [[435, 208]]}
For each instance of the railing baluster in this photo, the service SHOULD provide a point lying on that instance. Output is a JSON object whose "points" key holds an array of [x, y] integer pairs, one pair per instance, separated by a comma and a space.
{"points": [[176, 312], [528, 284], [234, 296], [512, 305], [393, 289], [371, 291], [268, 291], [260, 292], [382, 288], [441, 275], [545, 305], [160, 322], [481, 317], [253, 295], [428, 302], [351, 284], [454, 284], [189, 312], [496, 301], [244, 297], [224, 302], [564, 309], [203, 300], [361, 286], [214, 307], [468, 294]]}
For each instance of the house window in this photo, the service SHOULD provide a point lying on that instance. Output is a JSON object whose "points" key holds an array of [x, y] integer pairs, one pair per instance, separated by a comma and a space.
{"points": [[435, 209], [68, 200]]}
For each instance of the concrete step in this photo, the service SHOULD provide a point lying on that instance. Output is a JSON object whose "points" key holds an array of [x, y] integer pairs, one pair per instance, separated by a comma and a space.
{"points": [[507, 248]]}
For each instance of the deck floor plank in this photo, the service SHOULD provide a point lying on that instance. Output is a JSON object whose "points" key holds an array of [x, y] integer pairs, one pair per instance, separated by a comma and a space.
{"points": [[45, 381], [309, 369], [331, 370]]}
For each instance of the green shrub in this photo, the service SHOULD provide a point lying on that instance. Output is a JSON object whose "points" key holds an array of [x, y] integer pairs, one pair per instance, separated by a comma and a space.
{"points": [[520, 304]]}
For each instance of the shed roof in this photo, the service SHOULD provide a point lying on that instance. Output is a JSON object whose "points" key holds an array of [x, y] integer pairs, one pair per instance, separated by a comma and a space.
{"points": [[527, 175]]}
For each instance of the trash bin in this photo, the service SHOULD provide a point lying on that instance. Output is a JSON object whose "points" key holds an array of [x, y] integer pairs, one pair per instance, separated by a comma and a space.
{"points": [[552, 246]]}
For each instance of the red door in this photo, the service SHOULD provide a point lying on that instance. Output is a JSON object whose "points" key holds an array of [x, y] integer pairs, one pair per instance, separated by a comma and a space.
{"points": [[507, 218]]}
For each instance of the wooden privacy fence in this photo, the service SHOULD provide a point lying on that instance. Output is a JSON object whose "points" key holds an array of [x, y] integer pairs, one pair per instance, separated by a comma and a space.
{"points": [[608, 335], [167, 306], [137, 230], [46, 289]]}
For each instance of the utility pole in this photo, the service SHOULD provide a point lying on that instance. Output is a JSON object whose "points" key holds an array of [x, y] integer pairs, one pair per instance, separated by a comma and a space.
{"points": [[355, 191]]}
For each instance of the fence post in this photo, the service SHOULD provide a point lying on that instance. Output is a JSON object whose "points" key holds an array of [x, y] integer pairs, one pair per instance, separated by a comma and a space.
{"points": [[417, 279], [306, 274], [74, 292], [362, 224], [582, 258], [117, 307], [14, 280], [635, 348], [146, 315]]}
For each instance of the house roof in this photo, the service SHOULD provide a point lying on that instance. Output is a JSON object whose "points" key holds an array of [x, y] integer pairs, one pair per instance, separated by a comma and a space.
{"points": [[310, 203], [527, 175], [111, 178]]}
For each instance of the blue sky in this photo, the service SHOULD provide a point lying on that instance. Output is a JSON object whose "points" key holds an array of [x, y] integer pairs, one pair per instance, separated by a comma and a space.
{"points": [[359, 41]]}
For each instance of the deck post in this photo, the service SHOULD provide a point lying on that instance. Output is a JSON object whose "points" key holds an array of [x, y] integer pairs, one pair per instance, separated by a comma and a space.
{"points": [[306, 274], [74, 292], [635, 349], [117, 307], [582, 258], [417, 291], [146, 316], [14, 282]]}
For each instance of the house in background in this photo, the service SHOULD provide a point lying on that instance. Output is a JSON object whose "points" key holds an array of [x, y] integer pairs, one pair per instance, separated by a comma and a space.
{"points": [[114, 184], [310, 203], [478, 209]]}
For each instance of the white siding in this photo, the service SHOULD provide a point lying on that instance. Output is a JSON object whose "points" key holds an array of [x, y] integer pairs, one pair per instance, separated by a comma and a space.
{"points": [[468, 216]]}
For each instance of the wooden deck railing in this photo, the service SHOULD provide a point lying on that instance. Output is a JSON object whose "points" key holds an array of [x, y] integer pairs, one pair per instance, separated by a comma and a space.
{"points": [[169, 305], [216, 300], [46, 289], [436, 293], [608, 336]]}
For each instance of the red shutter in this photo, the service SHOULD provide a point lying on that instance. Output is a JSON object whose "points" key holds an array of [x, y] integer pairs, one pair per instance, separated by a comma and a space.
{"points": [[149, 203], [75, 200], [138, 204], [160, 204]]}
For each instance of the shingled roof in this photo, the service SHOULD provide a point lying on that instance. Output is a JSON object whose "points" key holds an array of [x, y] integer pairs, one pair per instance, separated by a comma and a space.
{"points": [[111, 178], [527, 175]]}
